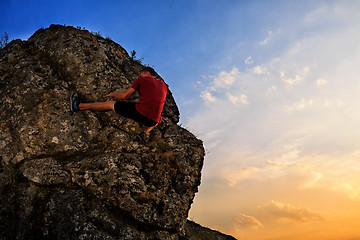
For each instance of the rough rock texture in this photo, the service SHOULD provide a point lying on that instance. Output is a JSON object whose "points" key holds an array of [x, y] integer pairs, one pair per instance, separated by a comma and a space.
{"points": [[197, 232], [84, 175], [75, 170]]}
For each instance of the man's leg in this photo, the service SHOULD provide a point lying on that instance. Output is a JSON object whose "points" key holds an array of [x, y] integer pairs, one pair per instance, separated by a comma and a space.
{"points": [[148, 129], [98, 106], [144, 135]]}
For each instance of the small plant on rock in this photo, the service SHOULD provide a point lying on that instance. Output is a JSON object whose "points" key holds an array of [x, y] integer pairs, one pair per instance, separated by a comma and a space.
{"points": [[4, 39]]}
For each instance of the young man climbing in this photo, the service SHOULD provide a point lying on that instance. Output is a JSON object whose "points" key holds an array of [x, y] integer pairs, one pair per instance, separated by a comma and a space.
{"points": [[152, 94]]}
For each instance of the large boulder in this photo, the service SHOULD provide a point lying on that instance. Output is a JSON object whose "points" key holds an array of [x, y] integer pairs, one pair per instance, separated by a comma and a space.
{"points": [[84, 175]]}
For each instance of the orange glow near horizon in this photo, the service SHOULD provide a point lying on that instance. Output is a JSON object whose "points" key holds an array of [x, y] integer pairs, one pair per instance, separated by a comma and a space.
{"points": [[283, 134], [279, 201]]}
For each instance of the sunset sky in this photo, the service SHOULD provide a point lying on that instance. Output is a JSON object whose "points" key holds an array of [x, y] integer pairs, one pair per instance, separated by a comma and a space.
{"points": [[271, 87]]}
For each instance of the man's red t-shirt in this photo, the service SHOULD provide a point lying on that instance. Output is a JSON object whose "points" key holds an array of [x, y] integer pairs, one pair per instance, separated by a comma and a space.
{"points": [[152, 93]]}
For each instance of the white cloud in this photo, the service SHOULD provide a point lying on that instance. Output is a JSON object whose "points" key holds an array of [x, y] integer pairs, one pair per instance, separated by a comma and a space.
{"points": [[225, 79], [245, 221], [207, 96], [249, 61], [284, 212], [300, 76], [238, 99], [222, 87], [336, 14], [295, 49], [235, 177], [318, 16], [267, 39], [272, 90], [299, 137], [300, 105], [260, 70], [352, 190], [321, 82]]}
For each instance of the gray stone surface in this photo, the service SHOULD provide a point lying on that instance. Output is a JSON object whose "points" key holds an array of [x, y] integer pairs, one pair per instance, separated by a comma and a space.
{"points": [[84, 175]]}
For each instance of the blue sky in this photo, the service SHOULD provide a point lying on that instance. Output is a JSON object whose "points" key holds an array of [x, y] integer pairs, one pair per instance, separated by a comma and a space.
{"points": [[271, 87], [181, 39]]}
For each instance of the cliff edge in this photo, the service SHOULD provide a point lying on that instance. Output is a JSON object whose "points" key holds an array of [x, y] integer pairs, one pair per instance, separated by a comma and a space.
{"points": [[85, 175]]}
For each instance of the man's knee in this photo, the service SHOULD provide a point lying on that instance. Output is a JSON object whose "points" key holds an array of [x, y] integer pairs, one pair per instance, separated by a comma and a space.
{"points": [[111, 105]]}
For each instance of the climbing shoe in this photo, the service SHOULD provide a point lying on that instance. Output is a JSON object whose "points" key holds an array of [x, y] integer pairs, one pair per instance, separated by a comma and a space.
{"points": [[75, 101], [143, 137]]}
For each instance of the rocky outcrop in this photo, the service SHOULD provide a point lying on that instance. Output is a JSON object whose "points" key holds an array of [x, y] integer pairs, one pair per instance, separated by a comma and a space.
{"points": [[195, 231], [84, 175]]}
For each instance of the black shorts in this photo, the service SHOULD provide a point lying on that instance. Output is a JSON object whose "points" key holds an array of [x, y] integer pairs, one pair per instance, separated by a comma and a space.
{"points": [[128, 109]]}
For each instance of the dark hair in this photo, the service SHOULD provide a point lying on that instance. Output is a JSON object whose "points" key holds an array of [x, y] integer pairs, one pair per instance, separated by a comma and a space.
{"points": [[150, 70]]}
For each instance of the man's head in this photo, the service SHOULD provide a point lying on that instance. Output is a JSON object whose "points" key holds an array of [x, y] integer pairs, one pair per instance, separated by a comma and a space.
{"points": [[148, 71]]}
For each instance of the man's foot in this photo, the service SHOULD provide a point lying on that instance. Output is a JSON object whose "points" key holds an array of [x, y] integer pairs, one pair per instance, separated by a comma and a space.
{"points": [[75, 101], [143, 137]]}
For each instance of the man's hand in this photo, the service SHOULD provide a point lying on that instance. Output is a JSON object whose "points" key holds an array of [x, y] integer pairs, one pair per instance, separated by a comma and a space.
{"points": [[122, 95], [112, 94]]}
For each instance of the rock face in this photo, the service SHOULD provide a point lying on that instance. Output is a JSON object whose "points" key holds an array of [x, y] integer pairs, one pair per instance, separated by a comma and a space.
{"points": [[84, 175]]}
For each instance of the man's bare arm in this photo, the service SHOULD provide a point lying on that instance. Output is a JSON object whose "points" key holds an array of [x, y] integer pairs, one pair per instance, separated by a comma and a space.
{"points": [[122, 95]]}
